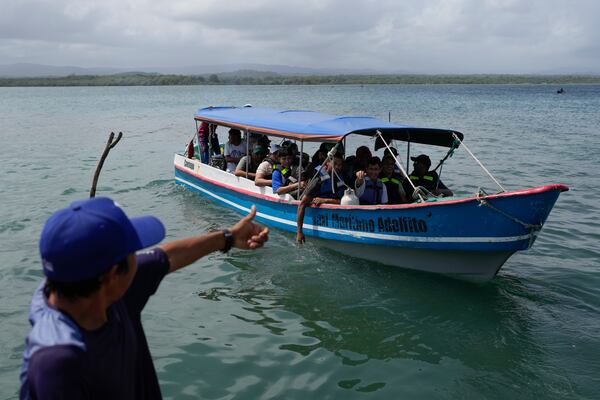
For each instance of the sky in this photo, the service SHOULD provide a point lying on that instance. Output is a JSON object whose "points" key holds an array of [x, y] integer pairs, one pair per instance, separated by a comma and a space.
{"points": [[411, 36]]}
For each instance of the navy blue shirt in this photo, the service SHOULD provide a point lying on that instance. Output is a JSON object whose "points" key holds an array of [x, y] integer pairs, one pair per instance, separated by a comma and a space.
{"points": [[63, 361]]}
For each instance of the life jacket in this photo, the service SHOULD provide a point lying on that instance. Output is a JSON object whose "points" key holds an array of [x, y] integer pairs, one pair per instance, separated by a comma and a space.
{"points": [[287, 176], [273, 164], [429, 181], [393, 186], [373, 192], [326, 192]]}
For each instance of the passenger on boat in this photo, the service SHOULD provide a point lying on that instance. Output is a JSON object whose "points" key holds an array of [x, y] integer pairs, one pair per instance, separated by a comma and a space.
{"points": [[265, 169], [421, 176], [283, 180], [318, 158], [208, 142], [258, 154], [392, 181], [363, 155], [321, 191], [264, 141], [355, 163], [370, 190], [235, 149], [394, 153]]}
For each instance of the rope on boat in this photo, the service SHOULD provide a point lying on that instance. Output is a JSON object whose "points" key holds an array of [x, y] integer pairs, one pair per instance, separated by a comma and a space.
{"points": [[440, 165], [330, 155], [400, 166], [478, 162], [531, 227]]}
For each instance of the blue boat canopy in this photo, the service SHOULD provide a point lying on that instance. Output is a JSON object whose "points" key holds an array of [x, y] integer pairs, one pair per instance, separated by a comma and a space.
{"points": [[314, 126]]}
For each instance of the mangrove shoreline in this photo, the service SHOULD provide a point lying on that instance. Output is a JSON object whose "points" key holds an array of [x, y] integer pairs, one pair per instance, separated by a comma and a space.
{"points": [[142, 79]]}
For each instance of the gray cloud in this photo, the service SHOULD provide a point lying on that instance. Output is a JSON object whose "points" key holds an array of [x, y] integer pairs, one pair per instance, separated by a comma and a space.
{"points": [[453, 36]]}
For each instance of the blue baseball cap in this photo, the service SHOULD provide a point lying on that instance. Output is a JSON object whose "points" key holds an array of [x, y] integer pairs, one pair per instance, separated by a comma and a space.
{"points": [[90, 236]]}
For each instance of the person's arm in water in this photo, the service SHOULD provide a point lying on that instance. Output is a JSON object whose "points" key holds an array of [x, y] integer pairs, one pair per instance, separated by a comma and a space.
{"points": [[246, 235], [306, 200]]}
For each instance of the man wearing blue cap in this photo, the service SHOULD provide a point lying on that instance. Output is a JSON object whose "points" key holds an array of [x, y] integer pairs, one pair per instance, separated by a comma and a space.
{"points": [[87, 340]]}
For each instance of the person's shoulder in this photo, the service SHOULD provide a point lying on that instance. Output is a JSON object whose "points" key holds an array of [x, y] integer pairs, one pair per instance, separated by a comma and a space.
{"points": [[57, 356], [55, 370], [54, 363]]}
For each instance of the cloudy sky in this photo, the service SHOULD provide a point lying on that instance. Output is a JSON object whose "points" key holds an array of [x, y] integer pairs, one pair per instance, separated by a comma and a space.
{"points": [[419, 36]]}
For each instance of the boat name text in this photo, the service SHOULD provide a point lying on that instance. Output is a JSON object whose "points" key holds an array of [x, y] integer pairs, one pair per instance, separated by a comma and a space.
{"points": [[188, 164], [381, 224]]}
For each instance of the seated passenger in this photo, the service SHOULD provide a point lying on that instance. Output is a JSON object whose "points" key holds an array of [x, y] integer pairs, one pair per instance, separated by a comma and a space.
{"points": [[251, 162], [264, 141], [305, 160], [392, 153], [370, 190], [392, 181], [318, 158], [265, 169], [283, 181], [203, 138], [322, 190], [235, 149], [421, 176], [363, 155]]}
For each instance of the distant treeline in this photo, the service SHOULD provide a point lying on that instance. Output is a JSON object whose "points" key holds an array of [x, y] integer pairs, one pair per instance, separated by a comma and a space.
{"points": [[229, 79]]}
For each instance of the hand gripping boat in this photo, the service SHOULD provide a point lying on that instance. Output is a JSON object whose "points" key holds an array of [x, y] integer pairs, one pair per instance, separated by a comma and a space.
{"points": [[470, 237]]}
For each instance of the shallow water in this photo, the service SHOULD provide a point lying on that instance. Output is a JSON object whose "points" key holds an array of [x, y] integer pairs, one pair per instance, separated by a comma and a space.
{"points": [[297, 323]]}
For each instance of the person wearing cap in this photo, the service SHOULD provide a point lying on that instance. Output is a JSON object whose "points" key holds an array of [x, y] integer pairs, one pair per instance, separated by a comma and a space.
{"points": [[87, 339], [235, 149], [421, 176], [247, 166], [264, 171]]}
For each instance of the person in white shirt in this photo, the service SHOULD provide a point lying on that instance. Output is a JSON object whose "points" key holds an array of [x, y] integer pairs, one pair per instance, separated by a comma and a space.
{"points": [[265, 169], [235, 149]]}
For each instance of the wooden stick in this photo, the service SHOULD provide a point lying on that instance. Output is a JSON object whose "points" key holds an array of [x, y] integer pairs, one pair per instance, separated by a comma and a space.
{"points": [[109, 145]]}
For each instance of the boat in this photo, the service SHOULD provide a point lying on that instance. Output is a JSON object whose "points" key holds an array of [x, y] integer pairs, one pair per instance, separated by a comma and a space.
{"points": [[470, 237]]}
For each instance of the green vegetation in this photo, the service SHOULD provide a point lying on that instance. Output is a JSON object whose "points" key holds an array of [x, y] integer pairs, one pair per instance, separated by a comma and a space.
{"points": [[140, 79]]}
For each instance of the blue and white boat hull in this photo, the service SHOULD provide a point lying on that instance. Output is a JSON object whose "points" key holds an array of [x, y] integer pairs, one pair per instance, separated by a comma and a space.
{"points": [[470, 237]]}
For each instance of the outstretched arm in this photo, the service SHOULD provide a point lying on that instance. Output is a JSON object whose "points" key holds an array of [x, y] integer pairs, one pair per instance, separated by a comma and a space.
{"points": [[246, 235], [306, 200]]}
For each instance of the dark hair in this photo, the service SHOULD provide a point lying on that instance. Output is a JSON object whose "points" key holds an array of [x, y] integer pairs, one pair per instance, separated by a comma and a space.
{"points": [[81, 289], [319, 156], [388, 158], [285, 151], [391, 150], [374, 161]]}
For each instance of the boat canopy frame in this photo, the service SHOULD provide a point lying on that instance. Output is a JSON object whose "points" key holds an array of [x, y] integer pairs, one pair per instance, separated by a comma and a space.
{"points": [[311, 126]]}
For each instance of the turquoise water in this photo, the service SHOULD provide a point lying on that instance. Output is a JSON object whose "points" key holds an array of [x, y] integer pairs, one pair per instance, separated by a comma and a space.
{"points": [[306, 322]]}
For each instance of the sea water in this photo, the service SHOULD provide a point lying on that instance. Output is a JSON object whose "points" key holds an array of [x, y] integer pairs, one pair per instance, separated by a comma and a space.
{"points": [[289, 322]]}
